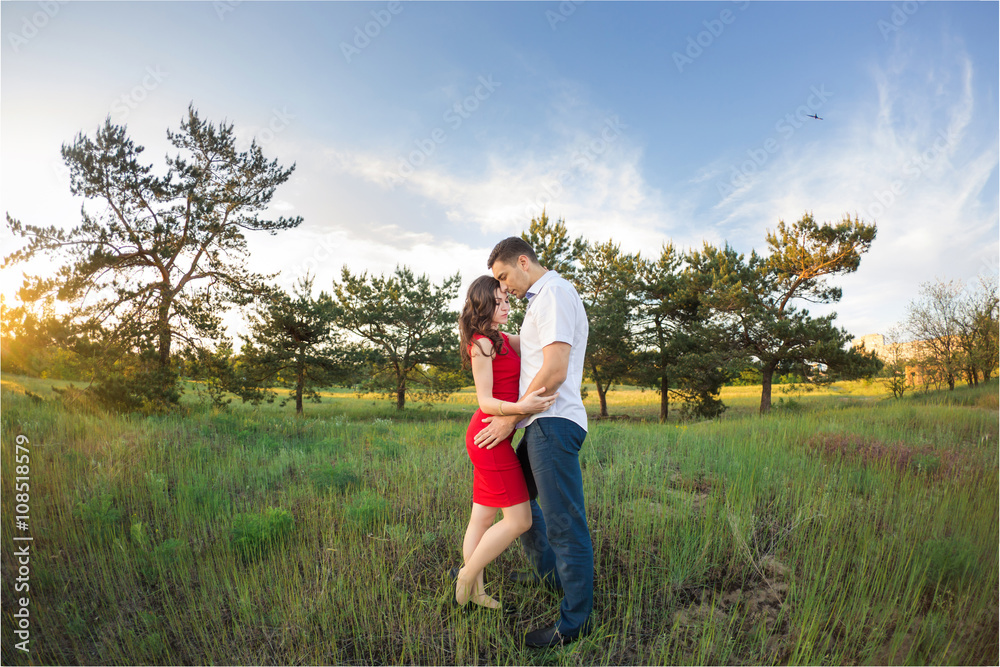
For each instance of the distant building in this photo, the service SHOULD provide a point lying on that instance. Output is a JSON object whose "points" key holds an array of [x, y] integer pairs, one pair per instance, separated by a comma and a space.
{"points": [[913, 353], [876, 343]]}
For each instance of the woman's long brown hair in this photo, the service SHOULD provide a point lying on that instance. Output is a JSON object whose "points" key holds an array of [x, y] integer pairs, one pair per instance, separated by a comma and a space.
{"points": [[477, 317]]}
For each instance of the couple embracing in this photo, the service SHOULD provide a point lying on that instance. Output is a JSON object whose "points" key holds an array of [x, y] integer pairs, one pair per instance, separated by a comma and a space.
{"points": [[530, 381]]}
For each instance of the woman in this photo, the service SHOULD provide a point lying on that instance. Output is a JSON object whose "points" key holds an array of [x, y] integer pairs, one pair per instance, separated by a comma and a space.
{"points": [[498, 482]]}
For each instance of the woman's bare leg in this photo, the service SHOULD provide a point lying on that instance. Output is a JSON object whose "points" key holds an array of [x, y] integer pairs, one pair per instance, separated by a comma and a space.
{"points": [[494, 540], [480, 520]]}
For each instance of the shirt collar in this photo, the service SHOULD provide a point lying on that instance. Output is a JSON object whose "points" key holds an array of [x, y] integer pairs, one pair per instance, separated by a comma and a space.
{"points": [[537, 286]]}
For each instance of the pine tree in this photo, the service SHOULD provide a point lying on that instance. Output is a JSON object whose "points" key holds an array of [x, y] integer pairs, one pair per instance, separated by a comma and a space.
{"points": [[607, 283], [554, 251], [683, 353], [407, 330], [757, 294], [157, 258], [293, 343]]}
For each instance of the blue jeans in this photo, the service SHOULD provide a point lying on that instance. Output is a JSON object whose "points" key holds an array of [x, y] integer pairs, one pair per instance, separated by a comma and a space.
{"points": [[558, 542]]}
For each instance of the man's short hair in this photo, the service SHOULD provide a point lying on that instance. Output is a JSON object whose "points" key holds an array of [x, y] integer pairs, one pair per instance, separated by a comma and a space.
{"points": [[508, 250]]}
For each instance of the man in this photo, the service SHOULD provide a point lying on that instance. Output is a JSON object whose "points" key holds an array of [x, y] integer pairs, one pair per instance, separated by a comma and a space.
{"points": [[553, 343]]}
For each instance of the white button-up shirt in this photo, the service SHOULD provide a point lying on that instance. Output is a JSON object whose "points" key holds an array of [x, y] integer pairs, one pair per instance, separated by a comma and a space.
{"points": [[555, 314]]}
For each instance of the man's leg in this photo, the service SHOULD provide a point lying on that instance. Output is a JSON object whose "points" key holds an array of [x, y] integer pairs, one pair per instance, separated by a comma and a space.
{"points": [[536, 547], [554, 450], [534, 540]]}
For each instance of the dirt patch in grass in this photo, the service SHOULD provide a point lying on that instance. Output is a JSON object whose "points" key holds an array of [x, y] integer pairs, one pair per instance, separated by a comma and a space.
{"points": [[758, 608], [973, 642], [679, 497], [933, 463]]}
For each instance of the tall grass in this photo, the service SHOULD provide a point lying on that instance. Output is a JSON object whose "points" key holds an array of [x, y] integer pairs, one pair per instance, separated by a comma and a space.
{"points": [[841, 529]]}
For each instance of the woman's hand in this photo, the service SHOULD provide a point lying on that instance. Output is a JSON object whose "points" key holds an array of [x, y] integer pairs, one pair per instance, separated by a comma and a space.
{"points": [[533, 402]]}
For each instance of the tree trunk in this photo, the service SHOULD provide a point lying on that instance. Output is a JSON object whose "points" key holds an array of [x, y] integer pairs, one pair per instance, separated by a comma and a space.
{"points": [[163, 330], [602, 395], [766, 374], [300, 386], [664, 398], [401, 395], [951, 381]]}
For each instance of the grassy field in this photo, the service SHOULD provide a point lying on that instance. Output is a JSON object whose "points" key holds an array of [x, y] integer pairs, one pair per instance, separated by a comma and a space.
{"points": [[844, 528]]}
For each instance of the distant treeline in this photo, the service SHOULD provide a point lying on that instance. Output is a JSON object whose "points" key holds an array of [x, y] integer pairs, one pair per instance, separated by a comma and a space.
{"points": [[147, 274]]}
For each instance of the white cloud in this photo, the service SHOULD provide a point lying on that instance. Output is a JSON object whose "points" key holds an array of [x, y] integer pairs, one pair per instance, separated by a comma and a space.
{"points": [[908, 160], [594, 182], [282, 206]]}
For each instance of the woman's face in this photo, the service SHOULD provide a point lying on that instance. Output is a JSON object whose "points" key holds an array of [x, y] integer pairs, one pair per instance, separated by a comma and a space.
{"points": [[503, 307]]}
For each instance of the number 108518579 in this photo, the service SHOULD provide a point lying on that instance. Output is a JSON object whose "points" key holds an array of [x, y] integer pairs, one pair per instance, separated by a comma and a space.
{"points": [[22, 486]]}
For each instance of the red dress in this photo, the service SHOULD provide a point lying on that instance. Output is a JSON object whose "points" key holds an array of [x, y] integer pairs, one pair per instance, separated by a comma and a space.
{"points": [[497, 480]]}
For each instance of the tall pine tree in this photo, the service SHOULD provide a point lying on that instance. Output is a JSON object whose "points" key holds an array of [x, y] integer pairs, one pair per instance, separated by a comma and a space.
{"points": [[607, 281], [157, 258], [758, 297]]}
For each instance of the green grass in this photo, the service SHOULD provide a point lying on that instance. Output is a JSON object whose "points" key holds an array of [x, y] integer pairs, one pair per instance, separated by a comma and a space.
{"points": [[844, 528]]}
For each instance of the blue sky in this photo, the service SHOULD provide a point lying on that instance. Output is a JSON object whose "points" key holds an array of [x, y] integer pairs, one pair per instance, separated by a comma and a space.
{"points": [[448, 125]]}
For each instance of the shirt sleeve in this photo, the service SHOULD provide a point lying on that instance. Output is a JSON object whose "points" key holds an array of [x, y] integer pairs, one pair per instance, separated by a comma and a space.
{"points": [[553, 314]]}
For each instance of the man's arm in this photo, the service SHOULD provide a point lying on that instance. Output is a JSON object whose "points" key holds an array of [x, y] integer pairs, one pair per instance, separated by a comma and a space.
{"points": [[555, 365]]}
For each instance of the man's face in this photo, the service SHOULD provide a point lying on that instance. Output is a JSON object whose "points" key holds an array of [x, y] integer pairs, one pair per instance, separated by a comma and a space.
{"points": [[513, 278]]}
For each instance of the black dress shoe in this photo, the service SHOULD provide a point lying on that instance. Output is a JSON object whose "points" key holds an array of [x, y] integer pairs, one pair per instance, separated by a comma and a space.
{"points": [[548, 637]]}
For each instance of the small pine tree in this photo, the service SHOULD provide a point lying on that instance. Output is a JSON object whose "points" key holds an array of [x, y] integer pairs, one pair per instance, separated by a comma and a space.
{"points": [[292, 344]]}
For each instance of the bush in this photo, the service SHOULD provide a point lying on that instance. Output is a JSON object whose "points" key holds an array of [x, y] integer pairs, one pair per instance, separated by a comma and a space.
{"points": [[169, 554], [99, 514], [156, 485], [214, 374], [138, 383], [949, 561], [79, 400], [340, 477], [791, 405], [253, 535], [168, 558], [367, 511], [389, 451], [748, 377]]}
